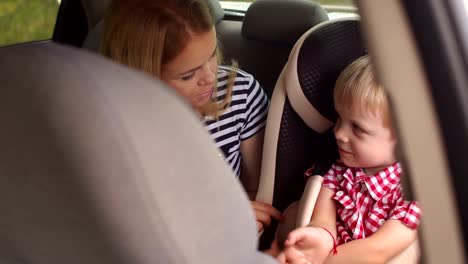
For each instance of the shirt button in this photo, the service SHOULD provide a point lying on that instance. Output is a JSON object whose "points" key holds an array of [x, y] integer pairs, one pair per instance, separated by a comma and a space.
{"points": [[381, 221], [339, 193]]}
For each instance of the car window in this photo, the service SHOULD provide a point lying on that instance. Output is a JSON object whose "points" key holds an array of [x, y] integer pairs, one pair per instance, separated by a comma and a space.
{"points": [[335, 8], [27, 20]]}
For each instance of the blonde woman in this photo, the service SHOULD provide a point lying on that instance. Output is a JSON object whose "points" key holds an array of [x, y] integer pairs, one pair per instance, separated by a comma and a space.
{"points": [[176, 42]]}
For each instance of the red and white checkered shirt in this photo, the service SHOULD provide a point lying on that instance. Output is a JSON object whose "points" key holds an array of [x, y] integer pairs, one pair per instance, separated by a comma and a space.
{"points": [[364, 202]]}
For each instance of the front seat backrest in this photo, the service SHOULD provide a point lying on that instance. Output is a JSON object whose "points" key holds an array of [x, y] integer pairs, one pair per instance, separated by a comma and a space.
{"points": [[97, 167], [298, 132], [262, 42]]}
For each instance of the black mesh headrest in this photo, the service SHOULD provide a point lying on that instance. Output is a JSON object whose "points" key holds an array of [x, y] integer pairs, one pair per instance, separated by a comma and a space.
{"points": [[323, 56], [268, 21], [314, 65]]}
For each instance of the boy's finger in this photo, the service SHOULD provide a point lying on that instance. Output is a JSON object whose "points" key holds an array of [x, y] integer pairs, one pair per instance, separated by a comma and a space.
{"points": [[294, 256], [292, 239]]}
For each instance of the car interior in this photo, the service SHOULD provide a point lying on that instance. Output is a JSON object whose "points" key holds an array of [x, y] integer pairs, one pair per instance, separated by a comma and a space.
{"points": [[99, 178], [252, 41], [249, 42]]}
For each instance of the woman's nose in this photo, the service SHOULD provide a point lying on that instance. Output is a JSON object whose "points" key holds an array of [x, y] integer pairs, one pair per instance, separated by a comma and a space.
{"points": [[208, 75]]}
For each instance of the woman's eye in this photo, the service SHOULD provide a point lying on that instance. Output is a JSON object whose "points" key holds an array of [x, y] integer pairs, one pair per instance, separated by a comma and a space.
{"points": [[214, 53], [187, 77]]}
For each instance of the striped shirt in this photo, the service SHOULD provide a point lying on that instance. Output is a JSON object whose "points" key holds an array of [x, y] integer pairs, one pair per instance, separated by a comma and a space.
{"points": [[245, 116]]}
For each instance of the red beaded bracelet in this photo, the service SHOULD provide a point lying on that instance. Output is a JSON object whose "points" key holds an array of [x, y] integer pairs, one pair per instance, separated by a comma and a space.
{"points": [[334, 250]]}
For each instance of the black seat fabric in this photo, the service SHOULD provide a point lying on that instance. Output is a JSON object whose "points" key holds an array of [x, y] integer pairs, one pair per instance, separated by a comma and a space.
{"points": [[94, 171], [262, 42], [301, 116], [322, 57]]}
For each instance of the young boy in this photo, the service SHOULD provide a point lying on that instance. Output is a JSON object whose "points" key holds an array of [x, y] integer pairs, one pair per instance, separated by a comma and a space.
{"points": [[360, 215]]}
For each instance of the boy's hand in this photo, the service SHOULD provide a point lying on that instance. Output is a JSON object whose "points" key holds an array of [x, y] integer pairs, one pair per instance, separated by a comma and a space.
{"points": [[292, 255], [263, 214], [274, 250], [307, 245]]}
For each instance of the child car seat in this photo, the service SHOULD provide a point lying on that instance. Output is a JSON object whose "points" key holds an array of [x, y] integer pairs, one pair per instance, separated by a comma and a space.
{"points": [[299, 132]]}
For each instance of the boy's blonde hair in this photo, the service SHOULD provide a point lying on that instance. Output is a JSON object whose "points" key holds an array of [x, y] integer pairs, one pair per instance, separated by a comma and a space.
{"points": [[357, 90]]}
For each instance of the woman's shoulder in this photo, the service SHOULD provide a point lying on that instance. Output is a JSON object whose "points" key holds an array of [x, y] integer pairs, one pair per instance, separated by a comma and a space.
{"points": [[224, 72], [228, 69]]}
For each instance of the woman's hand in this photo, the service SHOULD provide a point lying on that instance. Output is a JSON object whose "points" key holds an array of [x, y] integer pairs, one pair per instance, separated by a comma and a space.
{"points": [[307, 245], [264, 213]]}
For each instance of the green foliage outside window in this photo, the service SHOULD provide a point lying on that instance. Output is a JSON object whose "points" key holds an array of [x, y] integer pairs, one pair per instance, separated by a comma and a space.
{"points": [[27, 20]]}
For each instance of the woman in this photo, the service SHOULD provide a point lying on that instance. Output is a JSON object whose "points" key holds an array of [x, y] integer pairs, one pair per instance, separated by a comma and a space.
{"points": [[175, 41]]}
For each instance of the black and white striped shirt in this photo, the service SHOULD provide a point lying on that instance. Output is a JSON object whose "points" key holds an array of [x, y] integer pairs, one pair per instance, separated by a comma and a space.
{"points": [[244, 117]]}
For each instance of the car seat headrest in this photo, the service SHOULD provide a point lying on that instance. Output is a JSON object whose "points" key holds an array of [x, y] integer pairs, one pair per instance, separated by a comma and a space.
{"points": [[216, 10], [96, 10], [266, 20], [94, 171], [315, 63]]}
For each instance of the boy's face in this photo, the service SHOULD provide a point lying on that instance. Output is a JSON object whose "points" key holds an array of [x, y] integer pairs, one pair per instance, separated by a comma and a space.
{"points": [[364, 141]]}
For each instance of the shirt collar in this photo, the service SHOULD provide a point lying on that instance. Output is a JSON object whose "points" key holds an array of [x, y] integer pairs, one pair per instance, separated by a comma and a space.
{"points": [[378, 184]]}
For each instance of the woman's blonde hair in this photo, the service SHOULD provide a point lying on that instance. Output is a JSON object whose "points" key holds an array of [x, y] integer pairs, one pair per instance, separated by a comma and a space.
{"points": [[147, 34], [357, 89]]}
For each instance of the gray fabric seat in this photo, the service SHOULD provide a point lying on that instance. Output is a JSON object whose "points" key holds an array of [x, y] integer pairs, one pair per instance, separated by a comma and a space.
{"points": [[262, 42], [94, 171]]}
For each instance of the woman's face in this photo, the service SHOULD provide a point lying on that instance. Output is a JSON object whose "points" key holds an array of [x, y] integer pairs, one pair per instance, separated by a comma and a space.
{"points": [[193, 72]]}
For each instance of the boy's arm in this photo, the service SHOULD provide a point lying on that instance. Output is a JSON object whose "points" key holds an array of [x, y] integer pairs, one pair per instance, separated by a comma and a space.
{"points": [[324, 214], [390, 239], [313, 242], [323, 217]]}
